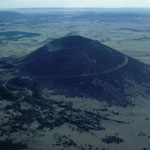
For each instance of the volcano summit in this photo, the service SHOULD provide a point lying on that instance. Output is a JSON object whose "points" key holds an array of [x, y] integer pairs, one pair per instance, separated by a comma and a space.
{"points": [[73, 56]]}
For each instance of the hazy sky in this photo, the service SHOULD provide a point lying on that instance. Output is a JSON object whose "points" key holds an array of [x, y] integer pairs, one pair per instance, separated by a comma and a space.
{"points": [[73, 3]]}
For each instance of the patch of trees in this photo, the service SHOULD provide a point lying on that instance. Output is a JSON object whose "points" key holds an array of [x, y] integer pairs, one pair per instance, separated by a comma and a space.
{"points": [[9, 145], [5, 94], [112, 139]]}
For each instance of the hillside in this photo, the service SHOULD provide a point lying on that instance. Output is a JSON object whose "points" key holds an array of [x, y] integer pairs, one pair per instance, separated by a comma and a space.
{"points": [[77, 66]]}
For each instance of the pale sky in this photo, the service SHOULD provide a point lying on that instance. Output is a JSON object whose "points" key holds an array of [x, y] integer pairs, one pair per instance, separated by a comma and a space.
{"points": [[73, 3]]}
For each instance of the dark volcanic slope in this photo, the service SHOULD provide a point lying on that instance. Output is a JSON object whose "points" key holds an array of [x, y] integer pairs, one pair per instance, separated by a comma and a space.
{"points": [[73, 56], [77, 66]]}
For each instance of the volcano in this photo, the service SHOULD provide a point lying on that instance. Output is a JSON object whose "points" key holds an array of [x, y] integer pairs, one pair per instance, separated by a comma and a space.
{"points": [[73, 56], [78, 66]]}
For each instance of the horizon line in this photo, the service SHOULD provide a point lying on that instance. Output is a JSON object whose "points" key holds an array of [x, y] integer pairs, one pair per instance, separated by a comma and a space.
{"points": [[53, 7]]}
